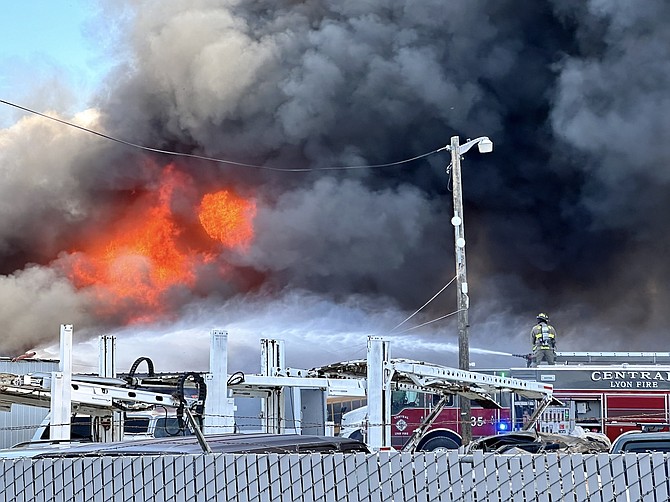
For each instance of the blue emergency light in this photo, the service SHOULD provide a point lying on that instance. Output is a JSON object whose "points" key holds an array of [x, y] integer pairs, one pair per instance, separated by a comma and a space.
{"points": [[502, 426]]}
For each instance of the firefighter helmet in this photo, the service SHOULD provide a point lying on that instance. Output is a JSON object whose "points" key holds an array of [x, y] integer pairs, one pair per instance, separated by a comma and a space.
{"points": [[542, 317]]}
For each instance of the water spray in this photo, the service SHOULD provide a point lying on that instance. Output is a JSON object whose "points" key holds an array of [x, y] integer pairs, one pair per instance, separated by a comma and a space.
{"points": [[492, 352]]}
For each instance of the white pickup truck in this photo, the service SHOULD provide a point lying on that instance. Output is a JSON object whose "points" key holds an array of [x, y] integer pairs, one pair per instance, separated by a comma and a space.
{"points": [[641, 442], [136, 425]]}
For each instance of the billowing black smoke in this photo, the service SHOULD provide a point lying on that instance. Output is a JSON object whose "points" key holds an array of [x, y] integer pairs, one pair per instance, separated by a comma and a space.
{"points": [[567, 216]]}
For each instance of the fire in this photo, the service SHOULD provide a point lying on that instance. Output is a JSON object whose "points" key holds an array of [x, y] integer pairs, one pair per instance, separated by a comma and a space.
{"points": [[227, 218], [145, 255]]}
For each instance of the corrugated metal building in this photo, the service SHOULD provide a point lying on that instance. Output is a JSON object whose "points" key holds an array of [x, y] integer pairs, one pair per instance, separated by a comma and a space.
{"points": [[20, 423]]}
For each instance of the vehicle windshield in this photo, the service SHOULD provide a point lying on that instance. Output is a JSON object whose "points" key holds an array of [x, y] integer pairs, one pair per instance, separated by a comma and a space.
{"points": [[169, 426], [136, 425], [646, 446], [402, 399]]}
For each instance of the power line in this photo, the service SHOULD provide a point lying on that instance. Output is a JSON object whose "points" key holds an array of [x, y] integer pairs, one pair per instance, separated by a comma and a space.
{"points": [[428, 322], [421, 308], [213, 159]]}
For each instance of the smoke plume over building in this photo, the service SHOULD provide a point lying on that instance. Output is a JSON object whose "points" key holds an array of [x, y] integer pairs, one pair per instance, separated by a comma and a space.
{"points": [[566, 216]]}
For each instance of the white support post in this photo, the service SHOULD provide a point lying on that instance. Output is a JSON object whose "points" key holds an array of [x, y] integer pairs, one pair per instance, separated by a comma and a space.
{"points": [[219, 408], [273, 407], [293, 423], [107, 361], [108, 427], [61, 388], [379, 394]]}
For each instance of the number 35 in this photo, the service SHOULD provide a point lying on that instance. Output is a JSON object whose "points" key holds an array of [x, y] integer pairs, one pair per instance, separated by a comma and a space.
{"points": [[477, 421]]}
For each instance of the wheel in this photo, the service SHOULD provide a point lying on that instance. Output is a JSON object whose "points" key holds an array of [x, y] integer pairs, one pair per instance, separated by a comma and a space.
{"points": [[439, 444]]}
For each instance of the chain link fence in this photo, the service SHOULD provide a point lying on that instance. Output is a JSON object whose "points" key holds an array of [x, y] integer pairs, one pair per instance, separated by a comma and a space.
{"points": [[384, 476]]}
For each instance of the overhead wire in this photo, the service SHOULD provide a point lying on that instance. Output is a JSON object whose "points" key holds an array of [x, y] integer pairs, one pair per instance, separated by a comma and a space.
{"points": [[429, 322], [423, 306], [450, 185], [214, 159]]}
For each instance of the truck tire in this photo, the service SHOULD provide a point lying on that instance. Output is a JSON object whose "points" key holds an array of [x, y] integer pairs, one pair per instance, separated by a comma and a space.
{"points": [[439, 443]]}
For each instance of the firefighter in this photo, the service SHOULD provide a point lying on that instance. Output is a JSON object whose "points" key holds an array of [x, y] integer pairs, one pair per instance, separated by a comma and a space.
{"points": [[543, 338]]}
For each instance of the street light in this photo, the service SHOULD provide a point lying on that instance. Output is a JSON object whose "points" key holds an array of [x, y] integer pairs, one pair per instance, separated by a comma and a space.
{"points": [[485, 145]]}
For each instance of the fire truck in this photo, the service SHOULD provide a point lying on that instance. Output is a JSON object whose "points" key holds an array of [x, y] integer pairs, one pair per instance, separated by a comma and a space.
{"points": [[420, 402], [409, 410], [607, 392]]}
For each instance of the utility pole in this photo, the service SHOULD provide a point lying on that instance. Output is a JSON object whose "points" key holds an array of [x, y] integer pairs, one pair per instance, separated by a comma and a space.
{"points": [[461, 284], [485, 145]]}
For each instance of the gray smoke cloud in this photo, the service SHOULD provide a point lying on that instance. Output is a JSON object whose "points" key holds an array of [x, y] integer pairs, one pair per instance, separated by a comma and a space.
{"points": [[567, 216]]}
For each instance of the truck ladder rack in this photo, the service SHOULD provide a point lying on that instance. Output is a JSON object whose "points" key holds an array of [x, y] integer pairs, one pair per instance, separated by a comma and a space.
{"points": [[36, 391], [426, 377]]}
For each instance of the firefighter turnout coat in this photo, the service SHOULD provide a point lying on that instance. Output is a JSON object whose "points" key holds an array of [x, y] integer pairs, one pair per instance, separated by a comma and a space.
{"points": [[543, 336]]}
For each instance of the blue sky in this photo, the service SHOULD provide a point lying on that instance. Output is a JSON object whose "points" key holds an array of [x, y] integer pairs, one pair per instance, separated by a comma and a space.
{"points": [[49, 54]]}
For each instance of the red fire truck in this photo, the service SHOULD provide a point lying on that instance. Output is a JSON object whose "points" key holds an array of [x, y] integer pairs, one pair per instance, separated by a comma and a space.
{"points": [[409, 410], [608, 392]]}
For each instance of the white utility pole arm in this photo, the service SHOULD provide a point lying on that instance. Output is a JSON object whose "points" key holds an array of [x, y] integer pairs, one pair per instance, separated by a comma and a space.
{"points": [[486, 145]]}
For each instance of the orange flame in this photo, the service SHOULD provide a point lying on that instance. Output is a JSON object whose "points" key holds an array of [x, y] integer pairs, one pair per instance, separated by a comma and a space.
{"points": [[143, 256], [227, 218]]}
